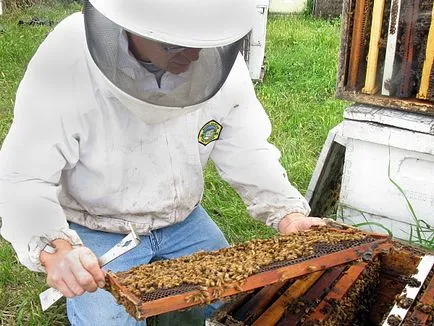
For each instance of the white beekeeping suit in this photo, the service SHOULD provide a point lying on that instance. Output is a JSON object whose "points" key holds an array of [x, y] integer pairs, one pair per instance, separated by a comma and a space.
{"points": [[103, 141]]}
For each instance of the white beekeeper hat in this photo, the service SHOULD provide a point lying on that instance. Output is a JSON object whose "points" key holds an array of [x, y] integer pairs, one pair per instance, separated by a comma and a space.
{"points": [[217, 27]]}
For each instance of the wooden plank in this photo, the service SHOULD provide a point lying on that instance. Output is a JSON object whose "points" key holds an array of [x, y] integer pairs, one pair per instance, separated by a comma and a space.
{"points": [[272, 315], [357, 41], [376, 27], [344, 50], [412, 105], [257, 305], [428, 64], [317, 291], [341, 288], [227, 309], [411, 12], [179, 301]]}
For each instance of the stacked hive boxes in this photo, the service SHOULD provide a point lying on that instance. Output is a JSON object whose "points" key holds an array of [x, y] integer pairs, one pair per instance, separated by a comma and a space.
{"points": [[386, 65]]}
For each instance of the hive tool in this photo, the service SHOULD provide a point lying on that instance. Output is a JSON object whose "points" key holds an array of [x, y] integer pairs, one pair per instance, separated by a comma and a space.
{"points": [[51, 295]]}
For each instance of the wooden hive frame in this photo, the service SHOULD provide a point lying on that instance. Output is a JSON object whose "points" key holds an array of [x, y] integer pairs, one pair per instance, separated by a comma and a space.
{"points": [[191, 296], [334, 296], [428, 69], [352, 58]]}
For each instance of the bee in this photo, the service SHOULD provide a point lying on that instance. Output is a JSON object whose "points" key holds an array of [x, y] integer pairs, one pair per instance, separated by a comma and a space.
{"points": [[229, 267]]}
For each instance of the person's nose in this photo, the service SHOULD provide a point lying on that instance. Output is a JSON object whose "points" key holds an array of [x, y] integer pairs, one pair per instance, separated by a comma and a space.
{"points": [[191, 54]]}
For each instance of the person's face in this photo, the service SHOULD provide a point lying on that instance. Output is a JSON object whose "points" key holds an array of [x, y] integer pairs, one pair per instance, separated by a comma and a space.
{"points": [[175, 61]]}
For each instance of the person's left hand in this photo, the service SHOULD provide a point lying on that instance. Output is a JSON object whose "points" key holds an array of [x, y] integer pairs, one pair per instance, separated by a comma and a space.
{"points": [[298, 222]]}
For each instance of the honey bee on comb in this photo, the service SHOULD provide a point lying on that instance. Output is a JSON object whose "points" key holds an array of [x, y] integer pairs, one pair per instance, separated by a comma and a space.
{"points": [[204, 277]]}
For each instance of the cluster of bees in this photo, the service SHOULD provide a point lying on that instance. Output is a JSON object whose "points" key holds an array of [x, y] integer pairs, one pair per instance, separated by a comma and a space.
{"points": [[229, 267], [357, 302], [394, 320], [403, 302]]}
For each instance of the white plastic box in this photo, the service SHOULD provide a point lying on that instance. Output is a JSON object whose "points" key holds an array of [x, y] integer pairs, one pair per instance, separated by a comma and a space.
{"points": [[287, 6], [254, 51], [384, 146]]}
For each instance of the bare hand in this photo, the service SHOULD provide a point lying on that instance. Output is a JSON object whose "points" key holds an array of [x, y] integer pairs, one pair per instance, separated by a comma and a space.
{"points": [[72, 271], [298, 222]]}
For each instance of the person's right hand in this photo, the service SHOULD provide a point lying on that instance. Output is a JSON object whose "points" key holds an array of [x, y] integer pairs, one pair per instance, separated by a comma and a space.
{"points": [[72, 271]]}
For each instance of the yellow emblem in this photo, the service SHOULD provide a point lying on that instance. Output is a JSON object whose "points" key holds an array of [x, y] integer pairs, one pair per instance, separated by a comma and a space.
{"points": [[209, 132]]}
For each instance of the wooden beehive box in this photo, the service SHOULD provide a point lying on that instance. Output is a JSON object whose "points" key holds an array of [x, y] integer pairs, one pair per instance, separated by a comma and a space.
{"points": [[387, 53], [203, 277], [323, 276], [375, 290]]}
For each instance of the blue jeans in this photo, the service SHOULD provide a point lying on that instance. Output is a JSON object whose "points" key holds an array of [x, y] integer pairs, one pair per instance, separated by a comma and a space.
{"points": [[196, 232]]}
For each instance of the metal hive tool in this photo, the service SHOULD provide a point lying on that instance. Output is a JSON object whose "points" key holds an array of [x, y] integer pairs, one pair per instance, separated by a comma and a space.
{"points": [[392, 37], [324, 256]]}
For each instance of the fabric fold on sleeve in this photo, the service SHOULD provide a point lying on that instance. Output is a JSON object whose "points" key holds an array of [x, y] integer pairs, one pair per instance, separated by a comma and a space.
{"points": [[248, 162], [43, 140]]}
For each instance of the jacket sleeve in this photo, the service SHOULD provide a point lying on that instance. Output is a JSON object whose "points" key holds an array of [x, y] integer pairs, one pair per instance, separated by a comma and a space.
{"points": [[42, 141], [245, 159]]}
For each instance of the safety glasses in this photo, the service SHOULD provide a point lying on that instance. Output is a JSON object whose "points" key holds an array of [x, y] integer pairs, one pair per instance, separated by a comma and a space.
{"points": [[170, 48]]}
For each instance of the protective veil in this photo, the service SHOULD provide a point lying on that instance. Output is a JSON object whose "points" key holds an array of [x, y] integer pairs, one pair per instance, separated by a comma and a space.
{"points": [[134, 83]]}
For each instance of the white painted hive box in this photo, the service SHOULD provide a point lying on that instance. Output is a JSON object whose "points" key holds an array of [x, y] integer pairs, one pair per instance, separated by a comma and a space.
{"points": [[287, 6], [255, 48], [384, 145]]}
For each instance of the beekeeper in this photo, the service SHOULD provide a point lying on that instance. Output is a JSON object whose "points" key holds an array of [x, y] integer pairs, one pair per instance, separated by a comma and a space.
{"points": [[115, 119]]}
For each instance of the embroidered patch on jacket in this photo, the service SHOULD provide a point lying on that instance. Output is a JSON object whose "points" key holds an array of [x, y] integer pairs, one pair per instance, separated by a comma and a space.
{"points": [[209, 132]]}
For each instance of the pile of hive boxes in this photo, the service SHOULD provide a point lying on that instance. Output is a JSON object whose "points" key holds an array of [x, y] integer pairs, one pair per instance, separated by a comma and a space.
{"points": [[378, 164]]}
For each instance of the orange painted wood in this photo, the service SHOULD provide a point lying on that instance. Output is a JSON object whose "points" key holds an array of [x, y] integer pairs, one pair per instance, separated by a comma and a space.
{"points": [[258, 303], [357, 43], [318, 290], [272, 315], [176, 302], [341, 288]]}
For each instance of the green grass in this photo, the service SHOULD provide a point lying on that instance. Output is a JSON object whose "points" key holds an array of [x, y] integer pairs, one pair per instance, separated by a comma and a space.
{"points": [[298, 94], [17, 45], [19, 290], [299, 88]]}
